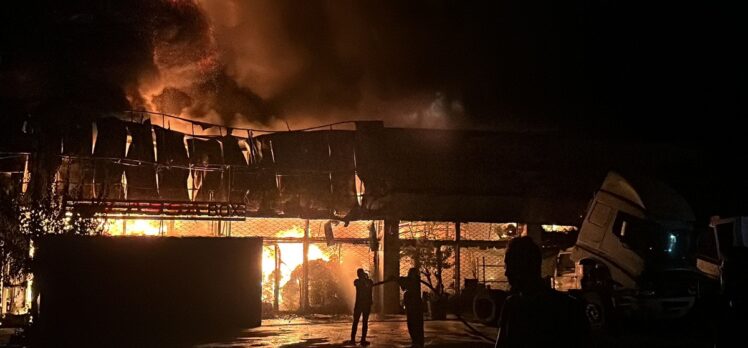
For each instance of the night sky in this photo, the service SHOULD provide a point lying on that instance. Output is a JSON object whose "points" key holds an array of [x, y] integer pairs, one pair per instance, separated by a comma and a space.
{"points": [[672, 73]]}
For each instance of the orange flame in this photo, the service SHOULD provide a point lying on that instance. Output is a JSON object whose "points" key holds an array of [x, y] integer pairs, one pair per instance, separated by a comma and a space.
{"points": [[292, 255]]}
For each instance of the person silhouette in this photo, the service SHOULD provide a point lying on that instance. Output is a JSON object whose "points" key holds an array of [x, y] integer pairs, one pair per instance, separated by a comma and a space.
{"points": [[733, 309], [362, 307], [534, 315], [413, 306]]}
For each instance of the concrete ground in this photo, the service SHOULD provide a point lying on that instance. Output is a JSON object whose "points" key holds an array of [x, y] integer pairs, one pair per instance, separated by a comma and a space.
{"points": [[5, 334], [383, 332], [391, 331]]}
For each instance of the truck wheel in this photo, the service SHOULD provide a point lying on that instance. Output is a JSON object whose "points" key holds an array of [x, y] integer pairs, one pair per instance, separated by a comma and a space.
{"points": [[594, 310], [487, 306]]}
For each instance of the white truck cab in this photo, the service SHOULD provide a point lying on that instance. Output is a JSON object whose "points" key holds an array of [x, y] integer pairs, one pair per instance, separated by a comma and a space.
{"points": [[639, 235]]}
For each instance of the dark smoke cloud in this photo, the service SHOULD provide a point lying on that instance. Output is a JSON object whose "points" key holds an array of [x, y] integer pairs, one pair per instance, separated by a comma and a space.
{"points": [[172, 101], [109, 56], [244, 61], [332, 60], [443, 63]]}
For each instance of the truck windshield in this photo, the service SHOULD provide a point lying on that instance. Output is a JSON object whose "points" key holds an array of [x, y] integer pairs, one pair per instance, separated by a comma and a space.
{"points": [[652, 241]]}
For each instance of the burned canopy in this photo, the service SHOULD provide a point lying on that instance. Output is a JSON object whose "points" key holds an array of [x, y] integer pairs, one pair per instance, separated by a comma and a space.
{"points": [[207, 175], [238, 181], [111, 141], [141, 174], [172, 157], [408, 174], [314, 171], [76, 171]]}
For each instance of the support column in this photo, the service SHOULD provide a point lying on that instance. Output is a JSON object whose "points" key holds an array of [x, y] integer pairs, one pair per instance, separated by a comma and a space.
{"points": [[457, 258], [305, 271], [391, 290], [376, 277], [276, 280]]}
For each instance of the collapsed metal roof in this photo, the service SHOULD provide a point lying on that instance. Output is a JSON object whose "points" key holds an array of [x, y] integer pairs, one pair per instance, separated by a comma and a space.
{"points": [[410, 174]]}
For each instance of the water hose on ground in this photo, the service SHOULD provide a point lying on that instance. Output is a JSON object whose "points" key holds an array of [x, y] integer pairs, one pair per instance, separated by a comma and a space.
{"points": [[475, 331]]}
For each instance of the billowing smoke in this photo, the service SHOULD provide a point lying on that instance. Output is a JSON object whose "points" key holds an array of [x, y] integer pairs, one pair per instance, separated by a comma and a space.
{"points": [[333, 60], [189, 76], [444, 63], [249, 62]]}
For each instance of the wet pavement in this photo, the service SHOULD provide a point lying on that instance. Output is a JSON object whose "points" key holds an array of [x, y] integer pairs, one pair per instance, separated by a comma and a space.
{"points": [[5, 334], [383, 332], [391, 331]]}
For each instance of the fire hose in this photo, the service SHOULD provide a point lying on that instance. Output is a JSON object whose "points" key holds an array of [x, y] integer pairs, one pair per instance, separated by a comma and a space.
{"points": [[475, 331]]}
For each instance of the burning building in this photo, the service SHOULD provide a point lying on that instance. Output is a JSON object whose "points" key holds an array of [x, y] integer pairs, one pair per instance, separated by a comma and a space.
{"points": [[325, 201]]}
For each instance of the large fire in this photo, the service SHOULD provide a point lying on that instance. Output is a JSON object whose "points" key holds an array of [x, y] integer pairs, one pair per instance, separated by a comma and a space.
{"points": [[143, 227], [291, 255], [117, 227], [291, 252]]}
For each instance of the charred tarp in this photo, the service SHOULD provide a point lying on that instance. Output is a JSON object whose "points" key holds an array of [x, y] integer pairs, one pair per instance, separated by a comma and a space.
{"points": [[111, 143], [207, 175], [238, 181], [173, 161], [141, 175], [463, 175], [408, 174], [76, 171], [314, 171]]}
